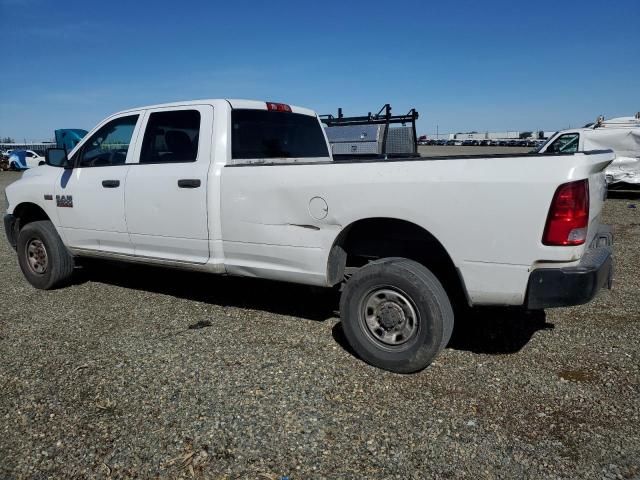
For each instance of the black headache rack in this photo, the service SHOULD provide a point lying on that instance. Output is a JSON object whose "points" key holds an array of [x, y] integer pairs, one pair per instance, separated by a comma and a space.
{"points": [[384, 118]]}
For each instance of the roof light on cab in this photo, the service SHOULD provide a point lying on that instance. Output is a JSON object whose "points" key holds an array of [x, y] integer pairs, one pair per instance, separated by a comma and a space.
{"points": [[278, 107]]}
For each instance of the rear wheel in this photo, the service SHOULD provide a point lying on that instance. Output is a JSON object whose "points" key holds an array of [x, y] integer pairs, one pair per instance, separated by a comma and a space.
{"points": [[396, 315], [44, 260]]}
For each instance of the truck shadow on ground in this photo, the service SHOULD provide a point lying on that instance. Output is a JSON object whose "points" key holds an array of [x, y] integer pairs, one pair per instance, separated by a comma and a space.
{"points": [[478, 330], [280, 298], [496, 330]]}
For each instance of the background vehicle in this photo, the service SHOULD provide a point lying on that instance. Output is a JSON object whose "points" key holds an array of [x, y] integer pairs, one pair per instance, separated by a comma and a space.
{"points": [[4, 159], [69, 137], [24, 159], [622, 135], [255, 191]]}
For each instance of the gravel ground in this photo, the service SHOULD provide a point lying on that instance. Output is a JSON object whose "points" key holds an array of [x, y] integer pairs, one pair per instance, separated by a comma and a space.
{"points": [[139, 372]]}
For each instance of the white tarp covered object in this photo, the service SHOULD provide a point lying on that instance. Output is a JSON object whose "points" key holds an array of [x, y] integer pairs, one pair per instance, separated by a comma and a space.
{"points": [[622, 135]]}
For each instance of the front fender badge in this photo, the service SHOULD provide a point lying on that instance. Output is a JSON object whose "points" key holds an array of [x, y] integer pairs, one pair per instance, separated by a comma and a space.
{"points": [[64, 201]]}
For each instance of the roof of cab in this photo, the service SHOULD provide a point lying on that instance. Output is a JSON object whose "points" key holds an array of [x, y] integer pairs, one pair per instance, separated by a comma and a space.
{"points": [[234, 103]]}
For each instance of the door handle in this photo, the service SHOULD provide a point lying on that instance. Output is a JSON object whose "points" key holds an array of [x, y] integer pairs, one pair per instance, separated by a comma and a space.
{"points": [[110, 183], [189, 183]]}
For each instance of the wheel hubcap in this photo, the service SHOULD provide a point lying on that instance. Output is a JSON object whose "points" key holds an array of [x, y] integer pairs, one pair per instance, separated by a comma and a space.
{"points": [[36, 254], [389, 316]]}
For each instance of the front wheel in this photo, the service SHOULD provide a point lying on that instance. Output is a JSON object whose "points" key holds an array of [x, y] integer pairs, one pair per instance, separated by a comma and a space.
{"points": [[396, 315], [43, 258]]}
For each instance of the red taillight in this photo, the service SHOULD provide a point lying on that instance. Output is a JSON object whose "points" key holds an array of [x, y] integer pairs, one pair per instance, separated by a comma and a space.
{"points": [[278, 107], [569, 215]]}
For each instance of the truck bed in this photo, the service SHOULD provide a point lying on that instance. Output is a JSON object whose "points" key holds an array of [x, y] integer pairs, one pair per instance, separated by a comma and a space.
{"points": [[407, 158], [414, 158]]}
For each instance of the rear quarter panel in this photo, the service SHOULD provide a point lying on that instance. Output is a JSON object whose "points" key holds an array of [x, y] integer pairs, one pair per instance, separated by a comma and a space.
{"points": [[489, 214]]}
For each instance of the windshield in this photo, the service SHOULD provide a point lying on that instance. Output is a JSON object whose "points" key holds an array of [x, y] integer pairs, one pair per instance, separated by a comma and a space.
{"points": [[566, 143]]}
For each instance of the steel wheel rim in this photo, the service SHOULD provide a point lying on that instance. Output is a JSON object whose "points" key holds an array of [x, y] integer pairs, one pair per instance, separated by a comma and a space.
{"points": [[389, 317], [36, 255]]}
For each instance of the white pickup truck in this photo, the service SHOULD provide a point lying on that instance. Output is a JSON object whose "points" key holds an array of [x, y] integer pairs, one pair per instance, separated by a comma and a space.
{"points": [[250, 188]]}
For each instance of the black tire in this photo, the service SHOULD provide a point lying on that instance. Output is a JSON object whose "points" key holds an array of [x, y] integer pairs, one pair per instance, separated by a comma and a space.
{"points": [[405, 294], [58, 267]]}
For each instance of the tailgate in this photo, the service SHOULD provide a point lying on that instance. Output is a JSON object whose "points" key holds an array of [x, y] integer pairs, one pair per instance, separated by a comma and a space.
{"points": [[597, 188]]}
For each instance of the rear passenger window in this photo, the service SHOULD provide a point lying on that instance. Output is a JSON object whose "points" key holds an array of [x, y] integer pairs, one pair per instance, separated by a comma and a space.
{"points": [[171, 137]]}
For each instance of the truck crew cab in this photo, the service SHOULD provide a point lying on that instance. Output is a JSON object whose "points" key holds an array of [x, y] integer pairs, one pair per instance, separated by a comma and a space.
{"points": [[251, 188]]}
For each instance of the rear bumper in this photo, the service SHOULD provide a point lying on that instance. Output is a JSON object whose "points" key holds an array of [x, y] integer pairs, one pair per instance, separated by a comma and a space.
{"points": [[563, 287], [10, 229]]}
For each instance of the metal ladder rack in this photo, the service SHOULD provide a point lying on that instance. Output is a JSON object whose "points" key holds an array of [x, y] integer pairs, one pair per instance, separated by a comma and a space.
{"points": [[379, 118]]}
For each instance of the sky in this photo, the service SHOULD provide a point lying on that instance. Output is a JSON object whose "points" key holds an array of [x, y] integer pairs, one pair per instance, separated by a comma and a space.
{"points": [[464, 65]]}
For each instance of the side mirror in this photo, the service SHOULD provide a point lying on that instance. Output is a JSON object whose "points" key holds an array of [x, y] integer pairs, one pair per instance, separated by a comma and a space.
{"points": [[57, 157]]}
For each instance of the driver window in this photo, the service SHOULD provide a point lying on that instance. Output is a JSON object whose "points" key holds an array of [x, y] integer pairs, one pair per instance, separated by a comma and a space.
{"points": [[109, 145], [567, 143]]}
